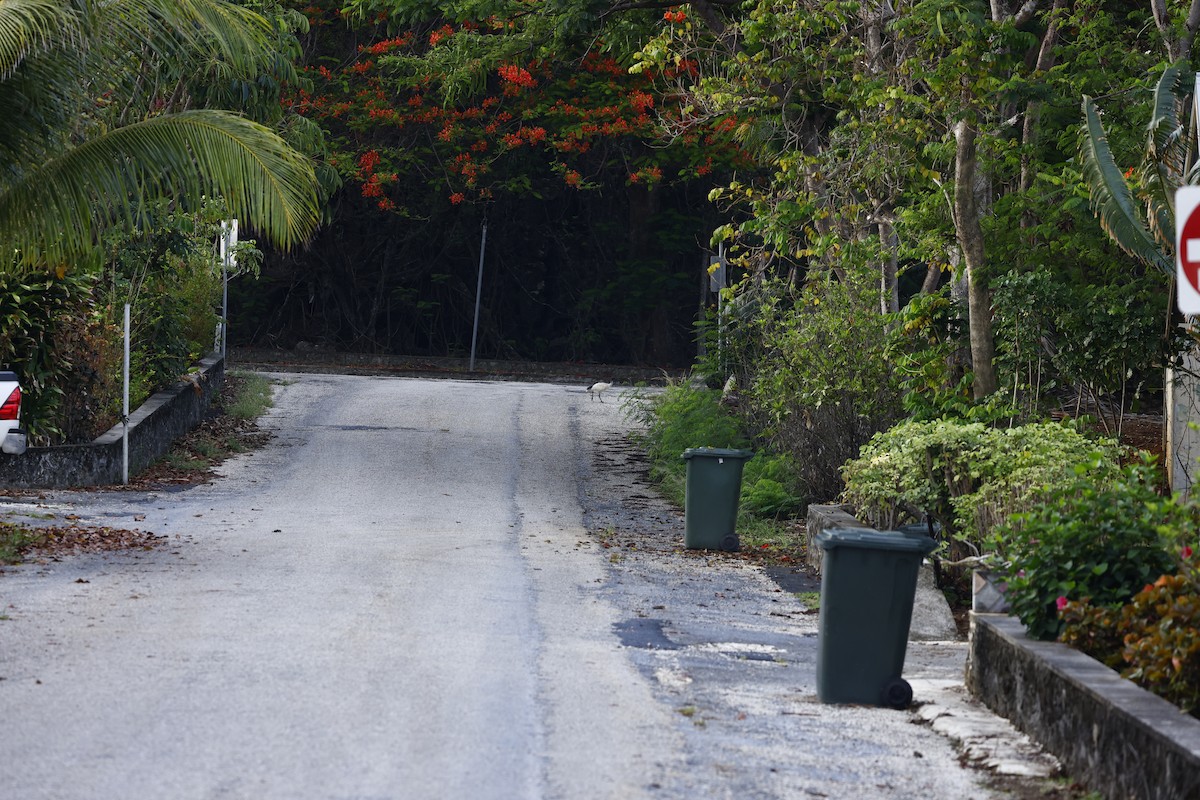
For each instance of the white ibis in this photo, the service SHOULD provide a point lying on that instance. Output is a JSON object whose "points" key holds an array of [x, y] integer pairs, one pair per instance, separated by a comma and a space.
{"points": [[596, 388]]}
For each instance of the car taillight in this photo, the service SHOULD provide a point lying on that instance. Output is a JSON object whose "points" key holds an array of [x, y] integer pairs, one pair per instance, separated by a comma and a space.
{"points": [[12, 406]]}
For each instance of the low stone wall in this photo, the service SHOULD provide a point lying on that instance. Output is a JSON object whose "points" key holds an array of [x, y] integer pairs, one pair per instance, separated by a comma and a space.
{"points": [[824, 518], [163, 418], [1109, 733]]}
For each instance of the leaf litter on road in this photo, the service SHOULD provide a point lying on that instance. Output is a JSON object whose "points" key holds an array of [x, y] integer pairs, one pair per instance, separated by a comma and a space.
{"points": [[18, 543]]}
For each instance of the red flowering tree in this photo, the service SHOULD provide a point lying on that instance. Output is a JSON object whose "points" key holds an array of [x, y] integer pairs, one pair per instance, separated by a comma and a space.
{"points": [[437, 121]]}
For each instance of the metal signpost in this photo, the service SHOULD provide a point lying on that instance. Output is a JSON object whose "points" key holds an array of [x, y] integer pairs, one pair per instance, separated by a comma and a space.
{"points": [[478, 295], [125, 408], [228, 244], [1182, 401], [717, 274]]}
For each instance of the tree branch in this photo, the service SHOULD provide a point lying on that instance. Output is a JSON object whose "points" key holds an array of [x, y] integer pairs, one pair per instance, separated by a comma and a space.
{"points": [[1193, 22], [1025, 13]]}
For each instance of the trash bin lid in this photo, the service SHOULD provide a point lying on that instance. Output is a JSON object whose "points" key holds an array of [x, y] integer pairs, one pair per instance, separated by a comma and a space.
{"points": [[870, 539], [716, 452]]}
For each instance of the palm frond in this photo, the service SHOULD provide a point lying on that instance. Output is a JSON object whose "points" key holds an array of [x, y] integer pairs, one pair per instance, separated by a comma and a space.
{"points": [[1111, 198], [1166, 153], [234, 33], [1165, 126], [30, 25], [58, 211]]}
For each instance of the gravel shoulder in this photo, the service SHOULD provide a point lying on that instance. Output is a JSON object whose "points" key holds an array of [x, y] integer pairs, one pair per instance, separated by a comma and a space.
{"points": [[734, 654]]}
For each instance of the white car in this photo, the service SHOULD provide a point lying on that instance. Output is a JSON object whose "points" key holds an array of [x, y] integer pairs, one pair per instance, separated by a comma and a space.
{"points": [[12, 438]]}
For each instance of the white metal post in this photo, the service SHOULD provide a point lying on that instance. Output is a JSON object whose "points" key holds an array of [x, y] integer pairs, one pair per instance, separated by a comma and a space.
{"points": [[228, 244], [478, 294], [125, 407]]}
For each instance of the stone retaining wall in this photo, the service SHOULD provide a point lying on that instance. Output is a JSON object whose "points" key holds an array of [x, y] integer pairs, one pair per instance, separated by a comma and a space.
{"points": [[152, 428], [824, 518], [1109, 733]]}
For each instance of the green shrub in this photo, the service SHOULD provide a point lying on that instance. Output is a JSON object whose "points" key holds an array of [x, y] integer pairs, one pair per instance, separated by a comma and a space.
{"points": [[679, 417], [683, 416], [169, 274], [967, 476], [54, 335], [770, 487], [810, 362], [62, 333], [1103, 342], [1092, 539]]}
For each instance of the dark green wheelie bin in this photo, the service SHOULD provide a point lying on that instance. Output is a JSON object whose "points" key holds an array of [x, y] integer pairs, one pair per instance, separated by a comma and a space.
{"points": [[713, 488], [868, 582]]}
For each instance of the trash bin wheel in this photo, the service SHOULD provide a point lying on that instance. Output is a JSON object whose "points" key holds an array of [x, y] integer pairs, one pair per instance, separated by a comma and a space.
{"points": [[897, 694], [731, 543]]}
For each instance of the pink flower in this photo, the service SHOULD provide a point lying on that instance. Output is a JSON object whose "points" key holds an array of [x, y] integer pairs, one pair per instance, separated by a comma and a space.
{"points": [[1061, 602]]}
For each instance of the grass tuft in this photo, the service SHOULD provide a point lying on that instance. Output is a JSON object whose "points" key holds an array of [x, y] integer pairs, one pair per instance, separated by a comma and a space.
{"points": [[253, 397], [14, 540]]}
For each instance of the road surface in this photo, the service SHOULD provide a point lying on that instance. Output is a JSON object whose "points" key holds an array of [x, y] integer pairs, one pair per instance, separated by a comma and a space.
{"points": [[426, 589]]}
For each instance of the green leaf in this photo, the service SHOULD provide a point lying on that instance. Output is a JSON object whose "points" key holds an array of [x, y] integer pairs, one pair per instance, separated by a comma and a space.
{"points": [[1111, 198]]}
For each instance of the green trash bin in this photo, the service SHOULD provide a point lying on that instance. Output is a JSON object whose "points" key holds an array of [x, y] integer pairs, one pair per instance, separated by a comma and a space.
{"points": [[868, 582], [713, 488]]}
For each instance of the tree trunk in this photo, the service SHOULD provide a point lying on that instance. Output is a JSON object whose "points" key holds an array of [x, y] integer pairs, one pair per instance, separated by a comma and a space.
{"points": [[933, 276], [1033, 111], [1179, 47], [969, 233], [889, 294]]}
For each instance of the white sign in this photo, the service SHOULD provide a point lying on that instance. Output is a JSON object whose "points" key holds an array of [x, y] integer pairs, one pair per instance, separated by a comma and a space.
{"points": [[1187, 248]]}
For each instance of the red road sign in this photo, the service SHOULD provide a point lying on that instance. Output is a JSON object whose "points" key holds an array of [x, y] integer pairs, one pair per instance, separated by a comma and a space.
{"points": [[1187, 248]]}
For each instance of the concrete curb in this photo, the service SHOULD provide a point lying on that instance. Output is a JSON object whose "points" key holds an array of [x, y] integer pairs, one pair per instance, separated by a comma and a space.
{"points": [[1108, 732], [163, 418]]}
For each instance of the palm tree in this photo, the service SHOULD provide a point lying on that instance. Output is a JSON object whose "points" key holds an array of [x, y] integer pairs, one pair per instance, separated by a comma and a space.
{"points": [[71, 167], [1140, 218]]}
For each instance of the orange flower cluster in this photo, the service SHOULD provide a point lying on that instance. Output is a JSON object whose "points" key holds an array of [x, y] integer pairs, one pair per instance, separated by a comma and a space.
{"points": [[533, 135], [464, 165], [675, 15], [388, 45], [602, 65], [641, 101], [441, 33], [385, 115], [372, 188], [647, 175], [516, 77], [368, 160]]}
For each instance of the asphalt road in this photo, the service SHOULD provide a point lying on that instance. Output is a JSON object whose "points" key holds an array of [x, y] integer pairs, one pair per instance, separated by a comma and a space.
{"points": [[428, 589]]}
